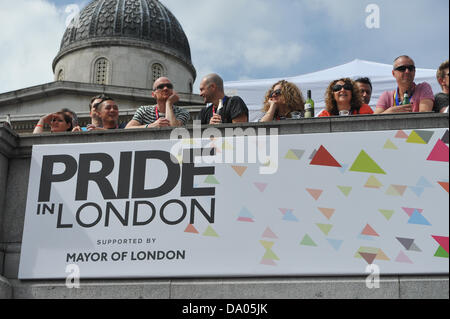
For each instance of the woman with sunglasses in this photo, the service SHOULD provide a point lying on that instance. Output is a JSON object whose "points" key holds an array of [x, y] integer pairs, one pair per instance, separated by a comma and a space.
{"points": [[344, 98], [58, 122], [283, 101]]}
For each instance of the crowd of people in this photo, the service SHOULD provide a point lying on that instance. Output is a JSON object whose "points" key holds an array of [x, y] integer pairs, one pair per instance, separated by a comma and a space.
{"points": [[284, 100]]}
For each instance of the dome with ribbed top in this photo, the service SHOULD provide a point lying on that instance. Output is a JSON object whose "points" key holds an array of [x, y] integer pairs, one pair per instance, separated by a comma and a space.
{"points": [[142, 23]]}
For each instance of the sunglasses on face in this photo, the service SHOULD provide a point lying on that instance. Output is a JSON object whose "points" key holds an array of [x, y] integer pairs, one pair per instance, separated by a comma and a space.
{"points": [[403, 68], [275, 93], [164, 85], [338, 87]]}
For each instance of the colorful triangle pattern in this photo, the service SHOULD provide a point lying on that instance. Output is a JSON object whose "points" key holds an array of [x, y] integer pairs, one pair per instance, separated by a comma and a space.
{"points": [[335, 243], [402, 258], [418, 219], [444, 185], [210, 232], [315, 193], [324, 158], [415, 138], [294, 154], [211, 180], [240, 170], [409, 211], [345, 190], [387, 213], [191, 229], [261, 186], [365, 164], [268, 233], [369, 231], [245, 216], [325, 228], [445, 137], [269, 255], [442, 241], [307, 241], [327, 212], [440, 152], [396, 190], [367, 253], [389, 145], [401, 134], [373, 182]]}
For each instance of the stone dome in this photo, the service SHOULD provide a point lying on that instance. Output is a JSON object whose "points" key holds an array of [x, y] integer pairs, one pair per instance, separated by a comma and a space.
{"points": [[139, 23]]}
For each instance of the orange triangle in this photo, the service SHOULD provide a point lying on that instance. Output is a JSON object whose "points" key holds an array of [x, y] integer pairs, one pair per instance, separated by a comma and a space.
{"points": [[327, 212], [324, 158], [400, 189], [191, 229], [240, 170], [315, 193], [368, 230], [444, 185]]}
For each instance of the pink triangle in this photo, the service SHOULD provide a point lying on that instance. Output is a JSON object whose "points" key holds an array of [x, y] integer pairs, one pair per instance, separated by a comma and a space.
{"points": [[401, 134], [315, 193], [268, 233], [402, 258], [410, 211], [268, 262], [191, 229], [442, 241], [246, 219], [261, 186], [285, 210], [368, 230], [440, 152]]}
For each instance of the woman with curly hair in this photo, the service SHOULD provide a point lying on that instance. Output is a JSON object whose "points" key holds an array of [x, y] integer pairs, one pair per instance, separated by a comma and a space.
{"points": [[344, 98], [58, 122], [284, 100]]}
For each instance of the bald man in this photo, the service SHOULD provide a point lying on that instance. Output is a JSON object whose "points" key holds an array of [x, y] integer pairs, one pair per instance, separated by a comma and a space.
{"points": [[164, 113], [234, 109], [420, 95]]}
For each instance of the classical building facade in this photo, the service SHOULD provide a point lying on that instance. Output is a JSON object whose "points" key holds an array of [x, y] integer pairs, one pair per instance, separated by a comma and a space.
{"points": [[116, 47]]}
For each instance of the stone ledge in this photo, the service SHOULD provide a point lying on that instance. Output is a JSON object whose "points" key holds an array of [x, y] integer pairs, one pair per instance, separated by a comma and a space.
{"points": [[5, 288], [391, 287]]}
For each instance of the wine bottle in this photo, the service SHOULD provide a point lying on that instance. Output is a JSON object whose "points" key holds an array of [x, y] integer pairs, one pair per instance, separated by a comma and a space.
{"points": [[309, 106]]}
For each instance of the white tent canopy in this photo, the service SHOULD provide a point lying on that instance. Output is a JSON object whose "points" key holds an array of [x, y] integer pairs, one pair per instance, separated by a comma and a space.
{"points": [[253, 91]]}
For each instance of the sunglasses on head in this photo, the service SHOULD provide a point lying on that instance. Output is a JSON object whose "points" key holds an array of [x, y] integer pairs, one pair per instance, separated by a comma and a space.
{"points": [[164, 85], [275, 93], [403, 68], [338, 87]]}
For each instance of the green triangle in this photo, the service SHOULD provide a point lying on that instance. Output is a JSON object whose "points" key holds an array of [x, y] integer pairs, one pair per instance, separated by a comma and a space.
{"points": [[387, 213], [270, 255], [425, 135], [345, 190], [365, 164], [307, 241], [325, 228], [210, 232], [415, 138], [389, 145], [441, 253], [211, 180]]}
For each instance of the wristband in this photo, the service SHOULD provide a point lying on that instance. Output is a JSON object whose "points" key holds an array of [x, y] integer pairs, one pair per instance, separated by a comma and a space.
{"points": [[39, 125], [146, 126]]}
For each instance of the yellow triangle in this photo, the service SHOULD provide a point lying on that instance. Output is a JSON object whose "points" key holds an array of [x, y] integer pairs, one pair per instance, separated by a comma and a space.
{"points": [[389, 145], [373, 182], [291, 155], [415, 138], [267, 244], [381, 255], [226, 146], [210, 232]]}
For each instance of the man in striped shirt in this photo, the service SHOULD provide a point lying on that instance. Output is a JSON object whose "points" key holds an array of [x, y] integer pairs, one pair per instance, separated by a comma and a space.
{"points": [[164, 113]]}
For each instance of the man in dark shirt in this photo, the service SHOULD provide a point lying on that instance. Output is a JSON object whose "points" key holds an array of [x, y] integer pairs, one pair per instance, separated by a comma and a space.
{"points": [[441, 99], [234, 109]]}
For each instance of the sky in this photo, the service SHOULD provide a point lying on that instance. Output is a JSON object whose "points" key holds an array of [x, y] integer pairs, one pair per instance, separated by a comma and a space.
{"points": [[246, 39]]}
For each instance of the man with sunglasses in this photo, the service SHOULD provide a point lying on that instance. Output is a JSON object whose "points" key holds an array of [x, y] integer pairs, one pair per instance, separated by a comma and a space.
{"points": [[234, 109], [420, 95], [164, 113]]}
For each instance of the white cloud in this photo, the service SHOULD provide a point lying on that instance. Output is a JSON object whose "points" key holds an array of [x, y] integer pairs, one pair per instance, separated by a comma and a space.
{"points": [[30, 37]]}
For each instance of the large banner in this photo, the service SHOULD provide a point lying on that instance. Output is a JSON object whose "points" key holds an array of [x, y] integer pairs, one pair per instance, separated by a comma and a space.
{"points": [[315, 204]]}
